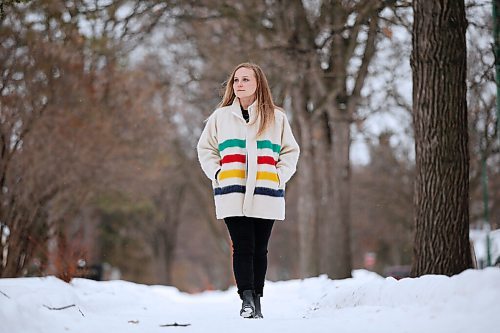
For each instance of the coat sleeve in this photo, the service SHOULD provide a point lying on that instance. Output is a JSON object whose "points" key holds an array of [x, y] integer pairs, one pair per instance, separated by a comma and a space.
{"points": [[289, 154], [208, 149]]}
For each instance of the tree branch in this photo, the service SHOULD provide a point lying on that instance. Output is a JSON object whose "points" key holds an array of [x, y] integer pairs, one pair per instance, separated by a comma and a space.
{"points": [[367, 56]]}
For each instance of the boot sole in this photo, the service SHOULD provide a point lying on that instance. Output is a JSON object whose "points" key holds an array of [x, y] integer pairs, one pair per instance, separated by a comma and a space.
{"points": [[247, 313]]}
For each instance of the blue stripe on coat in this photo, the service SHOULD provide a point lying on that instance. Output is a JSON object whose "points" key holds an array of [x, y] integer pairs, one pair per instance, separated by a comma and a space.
{"points": [[241, 189], [229, 189], [269, 191]]}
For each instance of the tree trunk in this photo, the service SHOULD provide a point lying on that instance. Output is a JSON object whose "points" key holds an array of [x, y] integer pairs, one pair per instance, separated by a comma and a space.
{"points": [[339, 254], [307, 213], [438, 63]]}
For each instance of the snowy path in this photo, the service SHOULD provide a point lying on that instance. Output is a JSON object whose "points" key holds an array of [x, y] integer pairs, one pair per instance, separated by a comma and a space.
{"points": [[468, 302]]}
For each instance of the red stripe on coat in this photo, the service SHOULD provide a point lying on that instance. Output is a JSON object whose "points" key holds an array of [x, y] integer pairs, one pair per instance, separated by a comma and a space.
{"points": [[233, 158], [266, 160]]}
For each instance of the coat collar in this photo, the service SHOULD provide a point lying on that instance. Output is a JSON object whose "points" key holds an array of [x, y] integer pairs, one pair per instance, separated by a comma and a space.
{"points": [[236, 110]]}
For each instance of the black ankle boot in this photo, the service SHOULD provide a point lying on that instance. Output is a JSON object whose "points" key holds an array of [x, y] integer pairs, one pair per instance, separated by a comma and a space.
{"points": [[248, 306], [258, 310]]}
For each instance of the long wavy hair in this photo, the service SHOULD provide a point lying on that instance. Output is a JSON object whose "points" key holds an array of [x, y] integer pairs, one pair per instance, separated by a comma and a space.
{"points": [[265, 105]]}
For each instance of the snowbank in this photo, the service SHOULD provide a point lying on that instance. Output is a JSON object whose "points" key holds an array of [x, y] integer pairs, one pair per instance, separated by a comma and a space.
{"points": [[467, 302]]}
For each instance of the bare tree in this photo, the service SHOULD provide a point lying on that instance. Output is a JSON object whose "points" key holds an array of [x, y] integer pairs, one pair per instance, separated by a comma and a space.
{"points": [[31, 78], [73, 125]]}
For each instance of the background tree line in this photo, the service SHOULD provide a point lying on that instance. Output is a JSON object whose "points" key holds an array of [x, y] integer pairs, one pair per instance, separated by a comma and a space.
{"points": [[102, 104]]}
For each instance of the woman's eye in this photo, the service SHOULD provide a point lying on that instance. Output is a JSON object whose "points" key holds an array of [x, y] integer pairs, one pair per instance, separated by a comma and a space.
{"points": [[246, 80]]}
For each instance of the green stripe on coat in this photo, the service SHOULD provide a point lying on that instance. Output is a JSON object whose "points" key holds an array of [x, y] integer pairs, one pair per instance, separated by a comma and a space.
{"points": [[261, 144], [232, 143]]}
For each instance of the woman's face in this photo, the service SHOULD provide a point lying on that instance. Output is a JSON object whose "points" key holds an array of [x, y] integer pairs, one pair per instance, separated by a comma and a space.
{"points": [[245, 83]]}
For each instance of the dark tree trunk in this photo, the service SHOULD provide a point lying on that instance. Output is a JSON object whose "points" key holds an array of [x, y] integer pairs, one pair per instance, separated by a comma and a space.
{"points": [[438, 63]]}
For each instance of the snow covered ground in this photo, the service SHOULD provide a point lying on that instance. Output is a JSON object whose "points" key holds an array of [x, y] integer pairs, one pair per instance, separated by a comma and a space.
{"points": [[468, 302]]}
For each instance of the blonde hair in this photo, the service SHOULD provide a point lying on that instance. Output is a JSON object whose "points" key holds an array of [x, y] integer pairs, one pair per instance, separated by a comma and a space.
{"points": [[265, 104]]}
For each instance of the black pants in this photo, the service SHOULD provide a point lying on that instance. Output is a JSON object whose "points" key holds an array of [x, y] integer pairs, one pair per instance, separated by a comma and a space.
{"points": [[250, 237]]}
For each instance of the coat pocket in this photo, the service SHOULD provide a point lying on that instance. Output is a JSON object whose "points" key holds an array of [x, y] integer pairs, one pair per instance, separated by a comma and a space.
{"points": [[215, 182], [281, 184]]}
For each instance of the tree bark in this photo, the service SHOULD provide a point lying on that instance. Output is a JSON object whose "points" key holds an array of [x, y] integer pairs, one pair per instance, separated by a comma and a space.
{"points": [[438, 64]]}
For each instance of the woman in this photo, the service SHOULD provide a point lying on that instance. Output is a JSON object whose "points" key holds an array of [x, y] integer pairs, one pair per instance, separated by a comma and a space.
{"points": [[248, 151]]}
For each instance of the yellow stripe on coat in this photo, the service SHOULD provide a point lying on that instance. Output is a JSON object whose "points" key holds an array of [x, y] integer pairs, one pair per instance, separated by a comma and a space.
{"points": [[231, 174], [265, 175]]}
